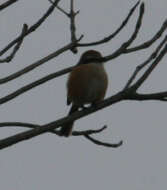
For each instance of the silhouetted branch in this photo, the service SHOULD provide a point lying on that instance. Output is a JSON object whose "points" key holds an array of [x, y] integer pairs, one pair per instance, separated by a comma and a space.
{"points": [[149, 42], [161, 96], [32, 28], [125, 45], [72, 25], [88, 132], [17, 47], [141, 66], [64, 71], [71, 16], [36, 64], [7, 4], [60, 9], [85, 133], [128, 93], [111, 36], [97, 142], [150, 68]]}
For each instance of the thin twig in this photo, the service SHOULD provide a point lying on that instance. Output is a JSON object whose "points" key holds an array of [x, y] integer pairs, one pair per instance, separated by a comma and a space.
{"points": [[60, 9], [149, 42], [150, 68], [36, 64], [141, 66], [161, 96], [72, 26], [32, 28], [126, 44], [111, 36], [97, 142], [17, 47], [7, 4]]}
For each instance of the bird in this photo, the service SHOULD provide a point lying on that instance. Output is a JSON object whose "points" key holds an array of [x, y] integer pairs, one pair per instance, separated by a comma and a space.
{"points": [[87, 84]]}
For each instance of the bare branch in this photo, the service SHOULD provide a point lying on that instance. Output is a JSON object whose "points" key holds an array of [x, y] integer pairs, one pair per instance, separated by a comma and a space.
{"points": [[7, 3], [72, 26], [88, 132], [6, 142], [127, 94], [111, 36], [32, 85], [150, 69], [60, 9], [17, 47], [32, 28], [141, 66], [36, 64], [97, 142], [124, 46], [162, 96], [149, 42]]}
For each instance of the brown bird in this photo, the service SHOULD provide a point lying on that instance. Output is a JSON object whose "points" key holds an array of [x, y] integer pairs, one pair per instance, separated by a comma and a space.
{"points": [[87, 84]]}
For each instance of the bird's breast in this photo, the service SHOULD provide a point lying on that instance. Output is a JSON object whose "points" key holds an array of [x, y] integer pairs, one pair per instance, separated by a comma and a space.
{"points": [[87, 84]]}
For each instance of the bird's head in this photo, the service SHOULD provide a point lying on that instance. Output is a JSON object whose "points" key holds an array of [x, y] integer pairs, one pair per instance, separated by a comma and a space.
{"points": [[90, 56]]}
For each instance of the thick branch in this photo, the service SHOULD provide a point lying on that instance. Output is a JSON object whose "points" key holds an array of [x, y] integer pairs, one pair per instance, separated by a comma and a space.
{"points": [[162, 96], [72, 25], [53, 125], [123, 95], [97, 142]]}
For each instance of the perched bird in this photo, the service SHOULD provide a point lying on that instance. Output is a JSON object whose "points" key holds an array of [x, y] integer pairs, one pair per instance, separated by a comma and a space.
{"points": [[87, 84]]}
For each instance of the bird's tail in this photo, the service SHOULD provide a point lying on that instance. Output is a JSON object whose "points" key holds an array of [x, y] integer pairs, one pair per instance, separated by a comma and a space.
{"points": [[66, 129]]}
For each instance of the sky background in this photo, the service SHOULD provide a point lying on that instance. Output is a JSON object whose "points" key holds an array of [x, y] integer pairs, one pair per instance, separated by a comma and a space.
{"points": [[50, 162]]}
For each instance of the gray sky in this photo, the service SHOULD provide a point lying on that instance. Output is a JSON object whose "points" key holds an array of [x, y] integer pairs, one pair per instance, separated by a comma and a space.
{"points": [[49, 162]]}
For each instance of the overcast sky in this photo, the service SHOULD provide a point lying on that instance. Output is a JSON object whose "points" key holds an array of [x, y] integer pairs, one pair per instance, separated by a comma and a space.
{"points": [[50, 162]]}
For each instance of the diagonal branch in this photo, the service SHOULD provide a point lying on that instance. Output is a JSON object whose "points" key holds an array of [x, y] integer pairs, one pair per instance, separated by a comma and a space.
{"points": [[32, 28], [149, 42], [141, 66], [17, 47], [6, 142], [150, 69], [127, 94], [111, 36], [60, 9], [97, 142], [36, 64], [7, 4], [86, 133], [124, 46]]}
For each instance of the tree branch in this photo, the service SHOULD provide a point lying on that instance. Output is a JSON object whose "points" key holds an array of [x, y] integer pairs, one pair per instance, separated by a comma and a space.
{"points": [[7, 4], [72, 26], [124, 46], [141, 66], [97, 142], [32, 28], [17, 47], [149, 42], [111, 36], [150, 69]]}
